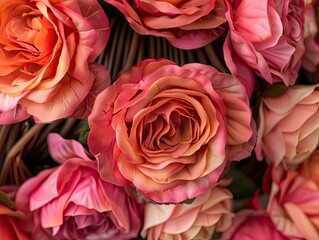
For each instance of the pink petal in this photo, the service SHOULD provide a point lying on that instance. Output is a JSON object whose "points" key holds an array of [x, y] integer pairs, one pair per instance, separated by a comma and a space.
{"points": [[14, 115], [61, 149], [303, 224], [26, 189], [89, 193], [63, 103], [94, 13], [156, 214], [233, 61], [256, 12], [101, 82], [8, 102]]}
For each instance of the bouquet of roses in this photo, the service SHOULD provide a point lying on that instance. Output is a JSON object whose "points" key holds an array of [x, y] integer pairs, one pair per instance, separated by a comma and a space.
{"points": [[159, 119]]}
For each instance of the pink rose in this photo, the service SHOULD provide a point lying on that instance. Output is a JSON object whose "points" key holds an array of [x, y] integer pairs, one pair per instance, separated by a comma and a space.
{"points": [[264, 37], [71, 201], [294, 206], [310, 60], [168, 131], [210, 212], [10, 225], [288, 126], [47, 50], [252, 224], [185, 24]]}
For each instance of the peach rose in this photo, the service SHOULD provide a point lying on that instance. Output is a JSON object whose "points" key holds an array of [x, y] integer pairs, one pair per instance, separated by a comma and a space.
{"points": [[252, 224], [10, 225], [168, 131], [185, 24], [265, 36], [210, 212], [46, 50], [288, 129], [294, 206], [71, 201]]}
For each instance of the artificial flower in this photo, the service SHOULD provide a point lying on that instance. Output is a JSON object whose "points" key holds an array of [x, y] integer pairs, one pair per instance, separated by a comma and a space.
{"points": [[210, 212], [71, 201], [310, 60], [293, 205], [288, 127], [46, 54], [169, 131], [265, 37], [251, 224], [186, 24]]}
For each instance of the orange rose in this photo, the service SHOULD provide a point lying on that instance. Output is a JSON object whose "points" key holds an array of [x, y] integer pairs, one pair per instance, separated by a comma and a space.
{"points": [[45, 50], [169, 131]]}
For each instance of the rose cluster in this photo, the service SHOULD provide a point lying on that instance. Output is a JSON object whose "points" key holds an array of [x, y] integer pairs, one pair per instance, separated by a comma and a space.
{"points": [[165, 141]]}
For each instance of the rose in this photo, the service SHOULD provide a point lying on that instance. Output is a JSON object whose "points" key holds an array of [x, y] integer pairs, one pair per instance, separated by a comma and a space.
{"points": [[251, 224], [71, 201], [271, 47], [46, 50], [10, 225], [293, 205], [288, 126], [168, 131], [185, 24], [310, 60], [292, 13], [210, 212]]}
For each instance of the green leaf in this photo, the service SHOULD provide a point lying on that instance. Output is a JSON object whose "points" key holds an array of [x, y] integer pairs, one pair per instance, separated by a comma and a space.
{"points": [[188, 201], [5, 200], [84, 133], [145, 199], [263, 199], [241, 186], [275, 90]]}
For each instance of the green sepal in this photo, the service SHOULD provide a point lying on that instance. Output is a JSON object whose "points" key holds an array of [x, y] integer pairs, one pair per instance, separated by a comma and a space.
{"points": [[147, 200], [274, 90], [5, 200], [83, 138]]}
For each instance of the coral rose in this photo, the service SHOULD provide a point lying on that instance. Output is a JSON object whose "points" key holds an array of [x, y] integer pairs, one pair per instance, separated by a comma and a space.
{"points": [[71, 201], [186, 24], [210, 212], [10, 225], [46, 50], [294, 206], [288, 129], [272, 46], [252, 224], [168, 131]]}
